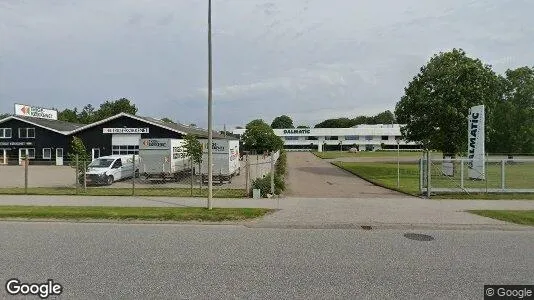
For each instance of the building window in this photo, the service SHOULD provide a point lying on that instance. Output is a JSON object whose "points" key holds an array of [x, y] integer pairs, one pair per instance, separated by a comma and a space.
{"points": [[47, 153], [27, 133], [351, 138], [291, 138], [5, 133], [125, 149], [368, 137], [30, 152], [385, 137], [311, 138]]}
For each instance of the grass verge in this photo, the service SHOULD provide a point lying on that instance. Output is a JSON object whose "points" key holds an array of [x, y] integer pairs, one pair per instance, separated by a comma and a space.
{"points": [[524, 217], [131, 213], [374, 154], [385, 175], [101, 191]]}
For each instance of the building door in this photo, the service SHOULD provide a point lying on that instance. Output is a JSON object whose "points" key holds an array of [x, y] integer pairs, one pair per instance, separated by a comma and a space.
{"points": [[95, 153], [59, 156], [3, 157]]}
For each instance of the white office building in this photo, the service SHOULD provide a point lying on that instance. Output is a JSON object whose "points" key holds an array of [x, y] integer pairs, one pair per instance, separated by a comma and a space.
{"points": [[363, 137]]}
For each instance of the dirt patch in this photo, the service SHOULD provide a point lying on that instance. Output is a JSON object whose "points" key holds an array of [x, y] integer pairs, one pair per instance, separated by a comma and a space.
{"points": [[310, 176]]}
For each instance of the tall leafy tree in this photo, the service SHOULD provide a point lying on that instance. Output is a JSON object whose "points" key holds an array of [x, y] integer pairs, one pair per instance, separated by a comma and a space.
{"points": [[4, 116], [385, 117], [193, 150], [87, 115], [259, 136], [111, 108], [436, 102], [335, 123], [68, 115], [512, 124], [282, 121]]}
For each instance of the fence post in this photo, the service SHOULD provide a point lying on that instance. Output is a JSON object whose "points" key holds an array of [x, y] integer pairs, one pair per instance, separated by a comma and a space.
{"points": [[84, 177], [428, 174], [133, 176], [247, 175], [201, 178], [26, 162], [421, 174], [272, 173], [192, 174], [77, 180], [462, 173], [503, 163]]}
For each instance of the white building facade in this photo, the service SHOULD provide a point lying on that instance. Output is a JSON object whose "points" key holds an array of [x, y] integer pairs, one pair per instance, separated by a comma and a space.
{"points": [[362, 137]]}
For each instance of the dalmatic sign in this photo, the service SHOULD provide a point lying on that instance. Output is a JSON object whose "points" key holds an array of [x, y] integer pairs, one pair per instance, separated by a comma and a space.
{"points": [[34, 111], [475, 143]]}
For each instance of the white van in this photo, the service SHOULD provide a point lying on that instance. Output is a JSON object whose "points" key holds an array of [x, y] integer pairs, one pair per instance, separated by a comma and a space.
{"points": [[108, 169]]}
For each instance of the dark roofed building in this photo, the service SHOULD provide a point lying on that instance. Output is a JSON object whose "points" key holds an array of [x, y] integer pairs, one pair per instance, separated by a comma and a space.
{"points": [[47, 141]]}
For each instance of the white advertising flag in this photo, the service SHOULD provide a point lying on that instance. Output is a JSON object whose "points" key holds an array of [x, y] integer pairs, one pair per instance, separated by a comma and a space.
{"points": [[475, 143]]}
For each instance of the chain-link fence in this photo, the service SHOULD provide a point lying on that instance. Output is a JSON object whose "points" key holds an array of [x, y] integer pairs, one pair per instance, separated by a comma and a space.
{"points": [[131, 175], [489, 175]]}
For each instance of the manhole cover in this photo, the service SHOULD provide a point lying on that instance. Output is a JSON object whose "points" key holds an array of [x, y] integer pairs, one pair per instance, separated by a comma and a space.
{"points": [[366, 227], [418, 237]]}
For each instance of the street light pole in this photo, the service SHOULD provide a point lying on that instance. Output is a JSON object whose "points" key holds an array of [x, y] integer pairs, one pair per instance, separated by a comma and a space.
{"points": [[210, 104]]}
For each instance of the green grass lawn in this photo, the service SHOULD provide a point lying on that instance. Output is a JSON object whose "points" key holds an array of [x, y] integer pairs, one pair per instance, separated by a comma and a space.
{"points": [[374, 154], [524, 217], [385, 174], [131, 213], [96, 191]]}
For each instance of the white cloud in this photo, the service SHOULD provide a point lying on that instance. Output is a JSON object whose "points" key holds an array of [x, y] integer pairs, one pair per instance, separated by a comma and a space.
{"points": [[315, 59]]}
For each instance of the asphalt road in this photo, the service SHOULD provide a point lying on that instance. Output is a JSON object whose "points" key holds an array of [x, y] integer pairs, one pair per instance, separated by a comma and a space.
{"points": [[124, 261]]}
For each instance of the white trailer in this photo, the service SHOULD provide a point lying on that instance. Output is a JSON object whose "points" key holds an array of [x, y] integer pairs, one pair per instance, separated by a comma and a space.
{"points": [[163, 159], [225, 160]]}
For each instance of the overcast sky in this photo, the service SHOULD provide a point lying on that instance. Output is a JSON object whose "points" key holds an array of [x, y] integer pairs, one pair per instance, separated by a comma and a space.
{"points": [[310, 59]]}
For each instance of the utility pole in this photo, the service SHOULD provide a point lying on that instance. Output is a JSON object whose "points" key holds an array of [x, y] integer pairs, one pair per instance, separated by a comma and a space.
{"points": [[210, 104]]}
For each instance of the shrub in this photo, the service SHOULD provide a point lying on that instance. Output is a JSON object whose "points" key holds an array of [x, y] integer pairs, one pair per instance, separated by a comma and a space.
{"points": [[264, 184]]}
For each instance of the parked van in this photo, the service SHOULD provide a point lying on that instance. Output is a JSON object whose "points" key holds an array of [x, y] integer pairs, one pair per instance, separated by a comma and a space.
{"points": [[108, 169]]}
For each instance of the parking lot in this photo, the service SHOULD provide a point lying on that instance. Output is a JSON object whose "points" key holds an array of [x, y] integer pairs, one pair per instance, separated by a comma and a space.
{"points": [[65, 176]]}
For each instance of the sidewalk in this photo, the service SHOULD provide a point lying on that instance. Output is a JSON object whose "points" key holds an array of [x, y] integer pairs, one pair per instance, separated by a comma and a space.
{"points": [[315, 212]]}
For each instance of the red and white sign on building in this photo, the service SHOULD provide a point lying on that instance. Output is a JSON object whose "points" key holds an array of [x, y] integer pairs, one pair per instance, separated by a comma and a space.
{"points": [[34, 111]]}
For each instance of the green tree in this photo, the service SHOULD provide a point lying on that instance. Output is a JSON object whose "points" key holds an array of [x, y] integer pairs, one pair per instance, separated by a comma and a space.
{"points": [[282, 121], [385, 117], [259, 136], [193, 150], [77, 148], [436, 102], [4, 116], [167, 120], [68, 115], [335, 123], [87, 115], [111, 108]]}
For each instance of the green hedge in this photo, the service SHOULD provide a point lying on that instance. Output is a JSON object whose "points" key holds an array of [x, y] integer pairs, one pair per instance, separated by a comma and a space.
{"points": [[264, 183]]}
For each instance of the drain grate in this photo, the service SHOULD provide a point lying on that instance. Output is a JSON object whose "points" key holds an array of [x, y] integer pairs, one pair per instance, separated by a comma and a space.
{"points": [[329, 183], [419, 237], [366, 227]]}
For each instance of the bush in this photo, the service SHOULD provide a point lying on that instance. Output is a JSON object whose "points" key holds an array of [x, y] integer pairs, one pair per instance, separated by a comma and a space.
{"points": [[264, 183]]}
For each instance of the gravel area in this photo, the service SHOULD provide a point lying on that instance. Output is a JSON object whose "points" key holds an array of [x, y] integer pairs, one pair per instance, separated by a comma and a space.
{"points": [[310, 176]]}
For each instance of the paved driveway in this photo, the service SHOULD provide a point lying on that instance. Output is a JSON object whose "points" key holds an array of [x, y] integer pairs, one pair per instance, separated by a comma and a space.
{"points": [[312, 177]]}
